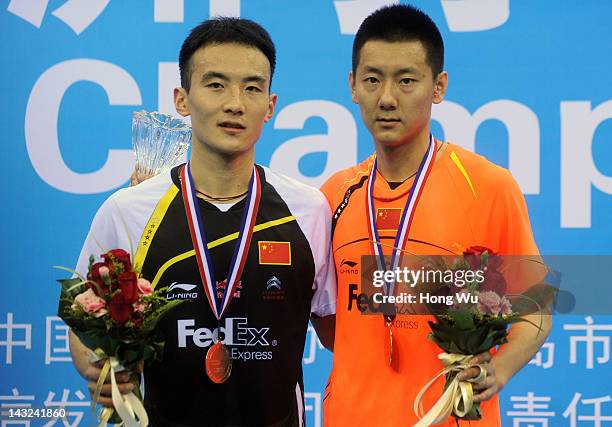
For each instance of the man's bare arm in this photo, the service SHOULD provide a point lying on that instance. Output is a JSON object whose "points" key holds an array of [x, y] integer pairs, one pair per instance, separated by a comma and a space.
{"points": [[524, 341], [91, 372]]}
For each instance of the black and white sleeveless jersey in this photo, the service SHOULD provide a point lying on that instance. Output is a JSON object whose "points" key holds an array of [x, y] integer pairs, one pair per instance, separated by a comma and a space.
{"points": [[287, 276]]}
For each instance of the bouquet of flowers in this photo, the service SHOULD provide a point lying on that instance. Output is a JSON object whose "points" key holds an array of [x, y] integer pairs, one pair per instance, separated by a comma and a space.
{"points": [[115, 313], [476, 321]]}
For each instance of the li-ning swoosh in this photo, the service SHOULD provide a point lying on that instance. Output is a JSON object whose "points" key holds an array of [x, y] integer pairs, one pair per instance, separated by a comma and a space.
{"points": [[183, 286]]}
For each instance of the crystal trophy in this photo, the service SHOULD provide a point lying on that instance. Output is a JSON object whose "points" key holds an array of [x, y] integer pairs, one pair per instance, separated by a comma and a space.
{"points": [[159, 142]]}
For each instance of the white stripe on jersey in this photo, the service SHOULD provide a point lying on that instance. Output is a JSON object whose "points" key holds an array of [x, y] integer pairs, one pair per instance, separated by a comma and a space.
{"points": [[300, 404]]}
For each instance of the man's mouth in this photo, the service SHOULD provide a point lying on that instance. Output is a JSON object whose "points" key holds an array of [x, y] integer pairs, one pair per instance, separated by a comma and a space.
{"points": [[388, 120], [231, 125]]}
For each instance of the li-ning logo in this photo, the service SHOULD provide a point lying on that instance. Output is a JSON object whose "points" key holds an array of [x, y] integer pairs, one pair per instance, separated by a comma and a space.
{"points": [[273, 283], [348, 267], [172, 293], [77, 14]]}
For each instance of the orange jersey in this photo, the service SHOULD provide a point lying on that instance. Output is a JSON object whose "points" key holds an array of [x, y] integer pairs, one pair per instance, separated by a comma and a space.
{"points": [[466, 201]]}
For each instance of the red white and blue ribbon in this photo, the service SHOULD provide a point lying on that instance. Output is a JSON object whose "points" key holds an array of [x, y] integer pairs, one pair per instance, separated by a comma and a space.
{"points": [[198, 237], [407, 215]]}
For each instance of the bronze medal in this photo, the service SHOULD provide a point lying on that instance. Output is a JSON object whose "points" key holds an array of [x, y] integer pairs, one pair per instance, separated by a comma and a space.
{"points": [[218, 363], [390, 334], [218, 360], [401, 238], [389, 318]]}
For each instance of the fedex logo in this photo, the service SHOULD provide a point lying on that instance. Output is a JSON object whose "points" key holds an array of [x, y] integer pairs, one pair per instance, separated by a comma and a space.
{"points": [[234, 332]]}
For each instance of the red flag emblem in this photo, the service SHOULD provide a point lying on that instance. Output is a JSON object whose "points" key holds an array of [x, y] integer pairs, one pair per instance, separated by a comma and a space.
{"points": [[274, 253], [388, 219]]}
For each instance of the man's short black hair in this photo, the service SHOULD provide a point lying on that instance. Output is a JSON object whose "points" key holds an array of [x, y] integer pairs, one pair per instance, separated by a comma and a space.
{"points": [[402, 23], [225, 30]]}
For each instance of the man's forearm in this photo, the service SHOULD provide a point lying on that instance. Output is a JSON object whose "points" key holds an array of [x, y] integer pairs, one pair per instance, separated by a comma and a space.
{"points": [[80, 354], [524, 341]]}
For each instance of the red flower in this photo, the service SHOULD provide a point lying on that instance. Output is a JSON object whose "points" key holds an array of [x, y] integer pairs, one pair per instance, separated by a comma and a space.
{"points": [[128, 283], [119, 311], [118, 256], [494, 280], [94, 276], [473, 256], [138, 320]]}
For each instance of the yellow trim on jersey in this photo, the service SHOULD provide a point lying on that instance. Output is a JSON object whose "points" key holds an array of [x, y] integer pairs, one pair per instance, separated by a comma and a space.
{"points": [[215, 243], [149, 232], [459, 165]]}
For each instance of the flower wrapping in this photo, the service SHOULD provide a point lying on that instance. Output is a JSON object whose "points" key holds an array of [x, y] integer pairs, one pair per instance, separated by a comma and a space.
{"points": [[466, 329], [114, 312]]}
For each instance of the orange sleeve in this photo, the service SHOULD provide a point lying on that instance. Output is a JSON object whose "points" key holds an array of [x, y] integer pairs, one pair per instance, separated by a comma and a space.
{"points": [[516, 236]]}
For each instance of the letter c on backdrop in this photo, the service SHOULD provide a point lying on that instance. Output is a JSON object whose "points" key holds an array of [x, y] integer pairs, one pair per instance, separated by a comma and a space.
{"points": [[41, 122]]}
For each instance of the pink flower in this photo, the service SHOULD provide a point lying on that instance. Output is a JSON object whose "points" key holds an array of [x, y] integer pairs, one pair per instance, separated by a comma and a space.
{"points": [[506, 307], [91, 303], [489, 303], [140, 307], [144, 287], [104, 271]]}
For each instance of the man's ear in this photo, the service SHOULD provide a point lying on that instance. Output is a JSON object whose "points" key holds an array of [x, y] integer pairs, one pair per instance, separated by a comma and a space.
{"points": [[271, 106], [440, 86], [180, 101], [351, 79]]}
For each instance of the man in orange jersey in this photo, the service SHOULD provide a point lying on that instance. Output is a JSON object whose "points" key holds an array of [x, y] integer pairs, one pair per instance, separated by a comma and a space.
{"points": [[460, 199]]}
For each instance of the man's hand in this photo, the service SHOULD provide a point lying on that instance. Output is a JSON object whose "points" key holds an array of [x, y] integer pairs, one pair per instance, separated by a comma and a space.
{"points": [[489, 384], [136, 178], [92, 373]]}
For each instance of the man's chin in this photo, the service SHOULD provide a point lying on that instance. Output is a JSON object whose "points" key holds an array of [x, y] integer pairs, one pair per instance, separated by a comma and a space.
{"points": [[389, 140]]}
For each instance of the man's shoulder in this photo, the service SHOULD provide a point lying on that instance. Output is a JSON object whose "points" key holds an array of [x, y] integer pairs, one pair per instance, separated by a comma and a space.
{"points": [[477, 169], [144, 193], [136, 203], [336, 185], [293, 191]]}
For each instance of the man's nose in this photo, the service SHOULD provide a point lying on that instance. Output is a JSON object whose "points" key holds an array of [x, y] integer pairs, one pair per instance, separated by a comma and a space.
{"points": [[387, 100], [234, 103]]}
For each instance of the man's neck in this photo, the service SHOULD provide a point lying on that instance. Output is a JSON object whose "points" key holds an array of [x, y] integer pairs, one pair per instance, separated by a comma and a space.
{"points": [[400, 162], [221, 176]]}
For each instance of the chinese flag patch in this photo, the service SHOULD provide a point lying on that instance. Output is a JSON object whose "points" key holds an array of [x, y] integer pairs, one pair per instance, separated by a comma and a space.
{"points": [[274, 253], [388, 219]]}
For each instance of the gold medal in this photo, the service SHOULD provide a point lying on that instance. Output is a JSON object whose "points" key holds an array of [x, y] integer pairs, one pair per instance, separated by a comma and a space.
{"points": [[218, 363]]}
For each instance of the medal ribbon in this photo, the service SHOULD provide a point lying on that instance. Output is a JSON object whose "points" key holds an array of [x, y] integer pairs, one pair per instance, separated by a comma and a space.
{"points": [[198, 237], [407, 215]]}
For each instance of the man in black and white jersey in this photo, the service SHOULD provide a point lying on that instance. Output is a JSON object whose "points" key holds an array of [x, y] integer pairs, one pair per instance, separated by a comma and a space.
{"points": [[277, 280]]}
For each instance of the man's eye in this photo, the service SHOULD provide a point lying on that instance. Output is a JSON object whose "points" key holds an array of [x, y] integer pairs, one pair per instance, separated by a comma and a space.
{"points": [[371, 80], [214, 85], [407, 81], [253, 89]]}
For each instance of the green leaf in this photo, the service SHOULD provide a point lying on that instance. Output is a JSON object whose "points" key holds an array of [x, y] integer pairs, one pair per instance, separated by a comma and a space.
{"points": [[455, 340], [463, 319], [533, 299], [484, 258]]}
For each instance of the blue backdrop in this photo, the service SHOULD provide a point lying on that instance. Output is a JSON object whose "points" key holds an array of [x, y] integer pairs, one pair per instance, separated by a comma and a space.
{"points": [[530, 88]]}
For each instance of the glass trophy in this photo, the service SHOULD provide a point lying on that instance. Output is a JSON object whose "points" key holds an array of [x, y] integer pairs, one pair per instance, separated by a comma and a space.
{"points": [[159, 142]]}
